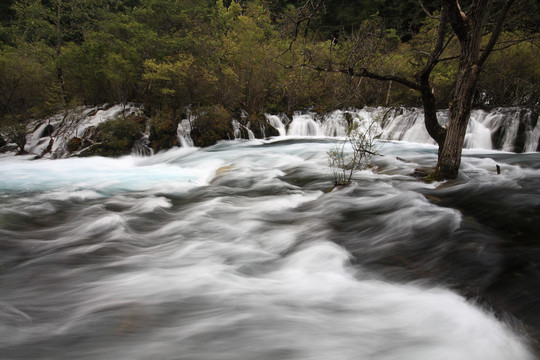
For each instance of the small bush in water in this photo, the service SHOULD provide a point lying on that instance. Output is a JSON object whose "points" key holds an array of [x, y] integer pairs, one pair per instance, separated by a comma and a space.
{"points": [[342, 163]]}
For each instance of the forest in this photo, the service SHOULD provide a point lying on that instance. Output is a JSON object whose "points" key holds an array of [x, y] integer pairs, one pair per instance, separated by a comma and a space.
{"points": [[256, 56], [169, 54]]}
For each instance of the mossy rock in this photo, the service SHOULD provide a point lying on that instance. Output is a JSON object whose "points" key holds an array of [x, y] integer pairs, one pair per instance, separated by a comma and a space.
{"points": [[163, 132], [213, 124], [115, 137], [260, 127]]}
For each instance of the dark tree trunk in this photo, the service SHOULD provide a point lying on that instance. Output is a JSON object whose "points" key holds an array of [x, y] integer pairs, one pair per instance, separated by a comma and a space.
{"points": [[460, 111], [468, 29], [59, 72], [460, 108], [434, 129]]}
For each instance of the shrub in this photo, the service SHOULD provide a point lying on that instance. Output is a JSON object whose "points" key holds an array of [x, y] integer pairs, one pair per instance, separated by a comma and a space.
{"points": [[213, 124], [116, 137], [362, 142], [163, 132], [15, 131]]}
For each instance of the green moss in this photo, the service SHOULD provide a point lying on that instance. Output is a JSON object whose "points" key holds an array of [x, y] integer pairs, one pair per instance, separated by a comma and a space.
{"points": [[430, 178]]}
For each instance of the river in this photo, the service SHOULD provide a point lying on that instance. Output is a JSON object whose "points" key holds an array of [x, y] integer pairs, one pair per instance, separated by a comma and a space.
{"points": [[243, 251]]}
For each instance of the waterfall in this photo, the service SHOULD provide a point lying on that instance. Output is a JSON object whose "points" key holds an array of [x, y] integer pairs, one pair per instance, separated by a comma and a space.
{"points": [[305, 125], [509, 129], [511, 132], [277, 123], [141, 147], [408, 125], [183, 131], [238, 128], [335, 124], [513, 129], [533, 137], [478, 136]]}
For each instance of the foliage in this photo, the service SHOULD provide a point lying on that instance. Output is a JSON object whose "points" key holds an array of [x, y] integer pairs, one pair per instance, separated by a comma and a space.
{"points": [[163, 132], [344, 163], [27, 91], [74, 144], [233, 54], [116, 137], [212, 124], [26, 83], [511, 76], [15, 131]]}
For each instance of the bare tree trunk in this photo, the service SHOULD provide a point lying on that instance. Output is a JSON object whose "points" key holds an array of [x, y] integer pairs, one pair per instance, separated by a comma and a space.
{"points": [[460, 108], [468, 29], [59, 72], [460, 112], [388, 94], [434, 129]]}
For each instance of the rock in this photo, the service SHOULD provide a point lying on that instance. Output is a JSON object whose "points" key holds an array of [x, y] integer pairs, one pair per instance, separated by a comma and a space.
{"points": [[48, 148], [260, 127], [47, 131]]}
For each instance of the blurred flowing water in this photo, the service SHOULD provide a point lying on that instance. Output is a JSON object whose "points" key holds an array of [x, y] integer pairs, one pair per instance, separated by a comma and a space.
{"points": [[239, 251]]}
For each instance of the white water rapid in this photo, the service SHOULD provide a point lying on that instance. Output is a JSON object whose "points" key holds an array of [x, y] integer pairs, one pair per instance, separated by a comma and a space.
{"points": [[507, 129], [238, 251]]}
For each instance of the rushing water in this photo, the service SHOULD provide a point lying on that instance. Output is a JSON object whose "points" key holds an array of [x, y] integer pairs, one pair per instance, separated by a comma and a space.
{"points": [[509, 129], [239, 251]]}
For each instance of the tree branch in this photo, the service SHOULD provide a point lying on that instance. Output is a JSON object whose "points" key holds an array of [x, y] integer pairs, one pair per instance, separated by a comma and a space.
{"points": [[496, 33], [429, 15], [457, 18]]}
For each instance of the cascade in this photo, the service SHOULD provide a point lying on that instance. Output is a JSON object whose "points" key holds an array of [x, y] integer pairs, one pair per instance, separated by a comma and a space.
{"points": [[305, 125], [141, 147], [183, 132], [79, 122], [478, 136], [513, 129], [509, 129], [335, 124], [532, 140], [237, 128], [277, 123], [510, 132]]}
